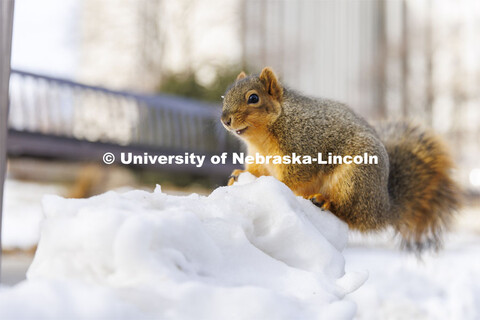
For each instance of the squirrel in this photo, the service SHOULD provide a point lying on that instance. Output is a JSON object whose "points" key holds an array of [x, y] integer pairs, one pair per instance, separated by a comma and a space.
{"points": [[410, 189]]}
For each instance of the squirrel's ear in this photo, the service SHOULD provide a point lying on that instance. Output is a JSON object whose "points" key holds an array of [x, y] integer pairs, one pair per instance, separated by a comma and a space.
{"points": [[241, 75], [268, 77]]}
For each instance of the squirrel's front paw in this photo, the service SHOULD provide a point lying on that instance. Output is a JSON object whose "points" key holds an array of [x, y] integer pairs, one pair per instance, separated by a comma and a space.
{"points": [[234, 176], [320, 201]]}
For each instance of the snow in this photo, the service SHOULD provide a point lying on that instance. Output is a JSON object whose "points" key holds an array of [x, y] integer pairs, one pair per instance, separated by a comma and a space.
{"points": [[400, 286], [60, 299], [79, 273], [23, 213], [249, 251]]}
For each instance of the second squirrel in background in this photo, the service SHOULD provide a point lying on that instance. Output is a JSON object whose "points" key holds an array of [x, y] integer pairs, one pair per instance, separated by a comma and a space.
{"points": [[410, 188]]}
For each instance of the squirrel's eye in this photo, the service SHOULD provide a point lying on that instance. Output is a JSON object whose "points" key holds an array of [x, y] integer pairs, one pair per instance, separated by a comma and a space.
{"points": [[253, 98]]}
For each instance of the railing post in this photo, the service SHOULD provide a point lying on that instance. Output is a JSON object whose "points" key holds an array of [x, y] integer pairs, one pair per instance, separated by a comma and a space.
{"points": [[6, 24]]}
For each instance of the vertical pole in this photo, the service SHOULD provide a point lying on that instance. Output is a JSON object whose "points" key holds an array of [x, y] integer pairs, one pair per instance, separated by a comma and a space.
{"points": [[382, 61], [6, 24], [405, 60], [429, 62], [243, 34], [264, 33]]}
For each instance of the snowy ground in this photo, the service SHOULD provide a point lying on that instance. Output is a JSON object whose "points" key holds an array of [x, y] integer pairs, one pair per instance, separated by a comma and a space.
{"points": [[23, 213], [251, 251], [441, 286]]}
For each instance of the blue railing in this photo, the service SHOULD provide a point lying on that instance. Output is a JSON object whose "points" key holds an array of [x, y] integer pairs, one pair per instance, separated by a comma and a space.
{"points": [[58, 107]]}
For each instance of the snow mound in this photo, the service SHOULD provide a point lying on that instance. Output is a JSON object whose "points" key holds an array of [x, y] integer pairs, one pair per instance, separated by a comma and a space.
{"points": [[252, 250], [23, 213]]}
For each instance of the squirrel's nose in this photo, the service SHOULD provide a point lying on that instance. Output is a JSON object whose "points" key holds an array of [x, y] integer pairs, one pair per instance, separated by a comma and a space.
{"points": [[227, 120]]}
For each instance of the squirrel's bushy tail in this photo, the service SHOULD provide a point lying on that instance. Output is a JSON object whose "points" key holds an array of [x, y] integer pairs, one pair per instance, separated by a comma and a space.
{"points": [[422, 192]]}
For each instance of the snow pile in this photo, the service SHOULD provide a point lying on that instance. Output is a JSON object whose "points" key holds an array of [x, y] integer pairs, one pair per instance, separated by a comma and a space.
{"points": [[252, 250], [23, 213]]}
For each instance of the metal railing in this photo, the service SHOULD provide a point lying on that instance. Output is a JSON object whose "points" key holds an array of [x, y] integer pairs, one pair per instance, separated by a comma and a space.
{"points": [[58, 107]]}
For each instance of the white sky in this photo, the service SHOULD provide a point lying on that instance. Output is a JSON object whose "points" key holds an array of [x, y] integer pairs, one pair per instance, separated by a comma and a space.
{"points": [[45, 37]]}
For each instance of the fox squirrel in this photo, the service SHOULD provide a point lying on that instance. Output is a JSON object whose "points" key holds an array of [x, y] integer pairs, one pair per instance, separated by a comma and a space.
{"points": [[410, 188]]}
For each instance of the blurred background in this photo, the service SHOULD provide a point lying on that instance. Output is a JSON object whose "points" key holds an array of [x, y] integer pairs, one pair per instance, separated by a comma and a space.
{"points": [[94, 76]]}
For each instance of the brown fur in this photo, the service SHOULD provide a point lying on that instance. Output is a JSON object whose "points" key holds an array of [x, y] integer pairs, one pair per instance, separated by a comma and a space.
{"points": [[419, 157]]}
